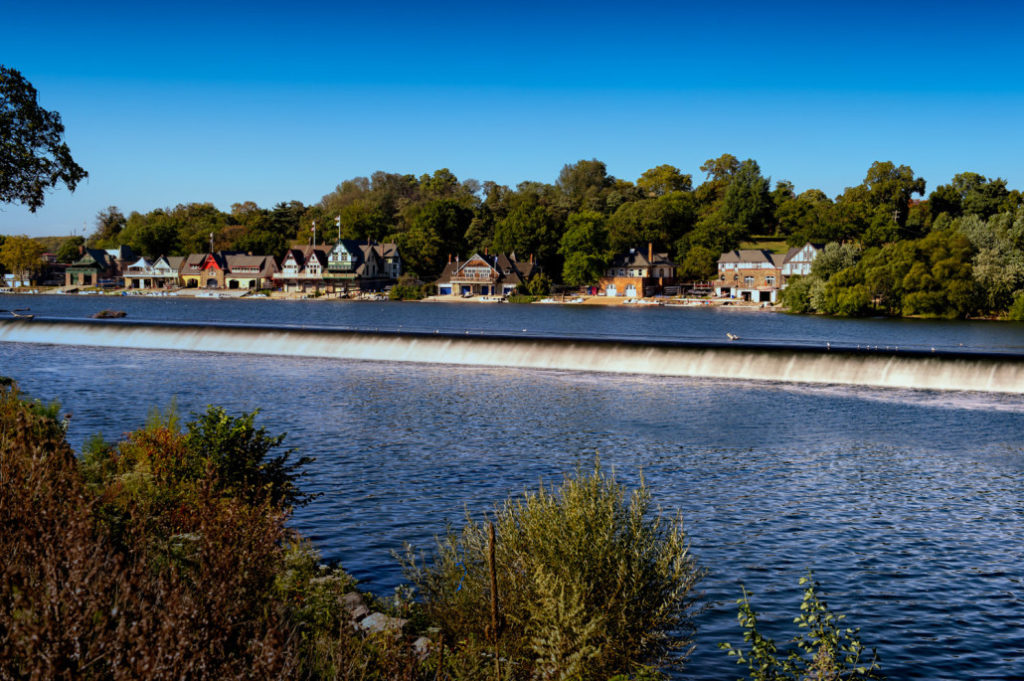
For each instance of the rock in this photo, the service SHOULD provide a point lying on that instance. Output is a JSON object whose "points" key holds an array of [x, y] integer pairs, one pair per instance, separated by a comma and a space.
{"points": [[354, 605], [379, 622], [422, 647], [109, 314]]}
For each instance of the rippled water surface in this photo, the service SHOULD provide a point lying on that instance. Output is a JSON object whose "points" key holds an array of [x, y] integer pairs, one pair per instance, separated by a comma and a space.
{"points": [[907, 504]]}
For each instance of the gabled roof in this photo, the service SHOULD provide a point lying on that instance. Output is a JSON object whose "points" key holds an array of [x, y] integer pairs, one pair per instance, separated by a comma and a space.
{"points": [[508, 269], [749, 256], [791, 253], [635, 258], [194, 261], [388, 250], [295, 254], [94, 256], [316, 254], [245, 261]]}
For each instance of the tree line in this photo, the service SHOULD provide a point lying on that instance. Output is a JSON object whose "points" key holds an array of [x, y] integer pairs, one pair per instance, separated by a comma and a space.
{"points": [[573, 225], [886, 225]]}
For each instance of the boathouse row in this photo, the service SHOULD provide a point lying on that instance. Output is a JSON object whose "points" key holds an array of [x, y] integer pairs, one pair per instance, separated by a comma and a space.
{"points": [[348, 266], [635, 275], [485, 275], [98, 267], [757, 275]]}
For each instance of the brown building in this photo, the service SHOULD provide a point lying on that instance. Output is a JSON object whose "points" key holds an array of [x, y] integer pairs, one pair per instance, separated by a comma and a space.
{"points": [[485, 275], [757, 275], [635, 275], [94, 267]]}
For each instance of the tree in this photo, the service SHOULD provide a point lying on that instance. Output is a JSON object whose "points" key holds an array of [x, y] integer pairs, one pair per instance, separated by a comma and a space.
{"points": [[21, 256], [585, 248], [664, 179], [33, 155], [584, 183], [747, 201], [660, 221], [151, 235], [889, 186], [69, 249], [720, 168], [109, 223]]}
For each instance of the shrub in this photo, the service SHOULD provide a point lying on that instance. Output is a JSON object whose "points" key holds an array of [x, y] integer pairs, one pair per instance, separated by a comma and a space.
{"points": [[1016, 312], [76, 604], [825, 651], [590, 583], [539, 285], [797, 295]]}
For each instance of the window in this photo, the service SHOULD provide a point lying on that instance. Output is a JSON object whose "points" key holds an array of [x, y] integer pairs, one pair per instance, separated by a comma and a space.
{"points": [[748, 281], [770, 280]]}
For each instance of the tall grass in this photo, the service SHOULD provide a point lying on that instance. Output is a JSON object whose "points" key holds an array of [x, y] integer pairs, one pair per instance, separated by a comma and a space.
{"points": [[591, 582]]}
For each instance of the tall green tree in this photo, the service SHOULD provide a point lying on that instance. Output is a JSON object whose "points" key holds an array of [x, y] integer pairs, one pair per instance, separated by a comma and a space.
{"points": [[970, 194], [152, 234], [584, 185], [69, 249], [660, 221], [531, 228], [585, 248], [663, 179], [33, 154], [747, 202], [109, 223]]}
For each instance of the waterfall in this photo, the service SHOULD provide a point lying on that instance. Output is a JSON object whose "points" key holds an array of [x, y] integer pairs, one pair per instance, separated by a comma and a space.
{"points": [[879, 368]]}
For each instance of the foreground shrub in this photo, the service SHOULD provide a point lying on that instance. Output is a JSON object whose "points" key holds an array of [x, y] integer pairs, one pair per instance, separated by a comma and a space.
{"points": [[590, 583], [74, 603], [825, 651]]}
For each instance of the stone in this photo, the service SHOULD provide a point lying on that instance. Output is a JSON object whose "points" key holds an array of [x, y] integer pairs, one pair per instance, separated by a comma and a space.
{"points": [[354, 605], [379, 622], [422, 647]]}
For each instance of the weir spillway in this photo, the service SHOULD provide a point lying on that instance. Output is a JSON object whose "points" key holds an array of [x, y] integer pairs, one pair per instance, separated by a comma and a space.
{"points": [[797, 363]]}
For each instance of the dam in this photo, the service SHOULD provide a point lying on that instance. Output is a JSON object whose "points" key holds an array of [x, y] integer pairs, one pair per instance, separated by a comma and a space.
{"points": [[924, 369]]}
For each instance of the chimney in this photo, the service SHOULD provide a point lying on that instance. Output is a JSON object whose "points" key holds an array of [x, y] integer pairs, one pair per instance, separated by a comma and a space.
{"points": [[650, 252], [531, 258], [485, 250], [449, 258]]}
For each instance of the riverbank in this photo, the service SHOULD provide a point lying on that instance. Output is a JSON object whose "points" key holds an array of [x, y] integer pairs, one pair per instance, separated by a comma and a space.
{"points": [[606, 301]]}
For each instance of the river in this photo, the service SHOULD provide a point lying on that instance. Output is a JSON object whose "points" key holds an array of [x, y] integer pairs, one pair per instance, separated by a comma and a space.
{"points": [[907, 504]]}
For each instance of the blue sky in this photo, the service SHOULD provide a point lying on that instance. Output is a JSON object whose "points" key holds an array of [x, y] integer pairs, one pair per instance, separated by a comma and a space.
{"points": [[269, 102]]}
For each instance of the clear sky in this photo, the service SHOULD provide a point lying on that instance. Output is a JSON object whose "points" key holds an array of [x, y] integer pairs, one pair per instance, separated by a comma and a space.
{"points": [[273, 101]]}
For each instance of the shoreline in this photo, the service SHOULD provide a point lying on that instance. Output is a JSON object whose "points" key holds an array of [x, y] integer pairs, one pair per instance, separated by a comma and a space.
{"points": [[216, 294]]}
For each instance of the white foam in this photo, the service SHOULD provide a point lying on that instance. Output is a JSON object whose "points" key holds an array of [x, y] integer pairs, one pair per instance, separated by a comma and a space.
{"points": [[760, 364]]}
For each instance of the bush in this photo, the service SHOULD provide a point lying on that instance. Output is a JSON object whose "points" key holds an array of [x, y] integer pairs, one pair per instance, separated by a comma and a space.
{"points": [[590, 583], [824, 652], [796, 297], [539, 285], [75, 603], [410, 288], [1016, 311]]}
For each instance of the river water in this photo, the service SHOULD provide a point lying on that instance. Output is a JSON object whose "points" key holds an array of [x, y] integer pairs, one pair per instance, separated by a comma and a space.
{"points": [[906, 504]]}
